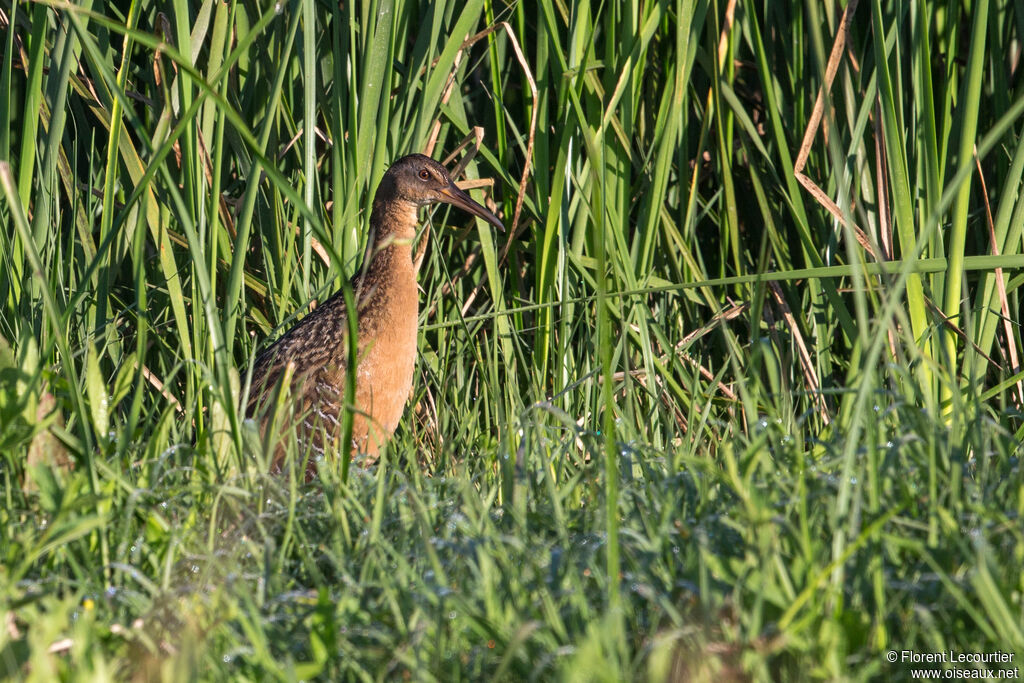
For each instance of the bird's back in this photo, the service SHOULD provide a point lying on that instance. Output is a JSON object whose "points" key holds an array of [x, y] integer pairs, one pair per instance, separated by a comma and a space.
{"points": [[316, 340]]}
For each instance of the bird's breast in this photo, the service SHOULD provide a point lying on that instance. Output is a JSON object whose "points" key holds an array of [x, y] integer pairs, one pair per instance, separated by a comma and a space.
{"points": [[387, 359]]}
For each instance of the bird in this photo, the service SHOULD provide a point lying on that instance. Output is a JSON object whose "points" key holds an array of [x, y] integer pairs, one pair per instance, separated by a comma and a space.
{"points": [[312, 357]]}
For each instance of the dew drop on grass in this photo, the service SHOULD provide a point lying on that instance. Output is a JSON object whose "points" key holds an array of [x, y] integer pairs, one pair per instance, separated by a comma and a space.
{"points": [[195, 569], [452, 615]]}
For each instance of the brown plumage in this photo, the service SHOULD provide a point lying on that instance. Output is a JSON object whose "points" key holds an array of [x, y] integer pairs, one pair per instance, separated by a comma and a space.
{"points": [[387, 301]]}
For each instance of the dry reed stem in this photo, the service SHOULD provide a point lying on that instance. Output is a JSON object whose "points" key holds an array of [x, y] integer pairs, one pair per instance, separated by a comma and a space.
{"points": [[884, 216], [812, 129], [1004, 306], [533, 115], [810, 376], [159, 386]]}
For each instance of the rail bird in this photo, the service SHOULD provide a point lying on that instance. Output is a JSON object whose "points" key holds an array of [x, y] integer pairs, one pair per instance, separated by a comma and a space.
{"points": [[312, 358]]}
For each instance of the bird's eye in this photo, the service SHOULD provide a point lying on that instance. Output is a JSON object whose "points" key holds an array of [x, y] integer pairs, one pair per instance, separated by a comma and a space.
{"points": [[424, 174]]}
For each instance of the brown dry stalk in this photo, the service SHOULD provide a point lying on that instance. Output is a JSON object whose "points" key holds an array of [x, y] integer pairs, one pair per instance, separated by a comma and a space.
{"points": [[533, 115], [155, 381], [882, 181], [435, 130], [719, 318], [884, 217], [812, 130], [1004, 307], [477, 137], [708, 375], [735, 311], [314, 243], [810, 376], [723, 39], [948, 323]]}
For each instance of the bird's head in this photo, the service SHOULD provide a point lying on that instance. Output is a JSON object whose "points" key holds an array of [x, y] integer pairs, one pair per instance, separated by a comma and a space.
{"points": [[421, 180]]}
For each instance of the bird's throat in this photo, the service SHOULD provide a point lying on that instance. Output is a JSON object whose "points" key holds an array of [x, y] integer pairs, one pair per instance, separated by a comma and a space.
{"points": [[394, 221]]}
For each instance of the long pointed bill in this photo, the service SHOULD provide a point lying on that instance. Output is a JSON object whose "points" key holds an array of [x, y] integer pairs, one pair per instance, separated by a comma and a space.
{"points": [[456, 197]]}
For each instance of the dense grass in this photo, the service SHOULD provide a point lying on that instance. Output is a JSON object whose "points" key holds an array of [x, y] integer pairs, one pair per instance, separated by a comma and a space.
{"points": [[689, 420]]}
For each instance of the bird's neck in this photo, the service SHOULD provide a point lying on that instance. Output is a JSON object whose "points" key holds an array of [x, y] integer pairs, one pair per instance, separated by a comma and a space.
{"points": [[393, 226]]}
